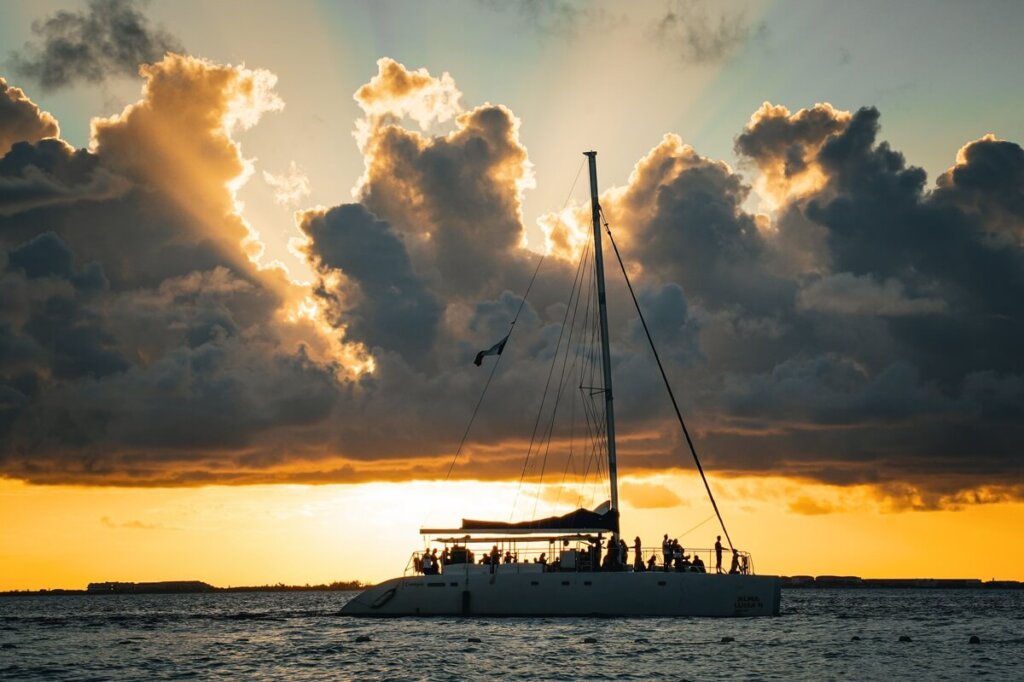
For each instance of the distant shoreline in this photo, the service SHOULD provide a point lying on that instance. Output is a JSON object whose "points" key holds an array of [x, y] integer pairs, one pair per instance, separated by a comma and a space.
{"points": [[185, 587], [788, 582], [855, 582]]}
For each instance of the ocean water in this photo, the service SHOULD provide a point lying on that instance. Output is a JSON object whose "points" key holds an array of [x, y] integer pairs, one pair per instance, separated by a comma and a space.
{"points": [[300, 636]]}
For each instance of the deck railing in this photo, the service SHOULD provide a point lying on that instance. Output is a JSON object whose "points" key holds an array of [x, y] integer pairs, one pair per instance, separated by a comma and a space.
{"points": [[577, 559]]}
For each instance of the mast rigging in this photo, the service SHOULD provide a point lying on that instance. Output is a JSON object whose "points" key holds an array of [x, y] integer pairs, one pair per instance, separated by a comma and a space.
{"points": [[606, 360]]}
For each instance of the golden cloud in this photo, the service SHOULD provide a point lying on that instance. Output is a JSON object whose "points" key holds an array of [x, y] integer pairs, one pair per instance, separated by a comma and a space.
{"points": [[21, 120]]}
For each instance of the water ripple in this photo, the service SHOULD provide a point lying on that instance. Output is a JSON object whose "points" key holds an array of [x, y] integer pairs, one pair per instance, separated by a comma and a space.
{"points": [[822, 634]]}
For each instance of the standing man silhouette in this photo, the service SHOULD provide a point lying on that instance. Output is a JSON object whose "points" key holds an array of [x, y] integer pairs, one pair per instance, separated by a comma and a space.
{"points": [[718, 554]]}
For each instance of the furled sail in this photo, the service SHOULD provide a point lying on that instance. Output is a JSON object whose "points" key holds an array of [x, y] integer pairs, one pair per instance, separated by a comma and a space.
{"points": [[581, 519]]}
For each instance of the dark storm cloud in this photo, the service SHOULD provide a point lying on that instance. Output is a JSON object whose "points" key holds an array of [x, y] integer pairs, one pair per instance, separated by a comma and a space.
{"points": [[390, 307], [137, 381], [868, 335], [177, 365], [776, 137], [699, 33], [137, 339], [880, 222], [783, 147], [111, 39], [684, 219], [455, 197], [671, 323], [937, 299], [50, 172], [868, 332], [988, 183], [137, 235]]}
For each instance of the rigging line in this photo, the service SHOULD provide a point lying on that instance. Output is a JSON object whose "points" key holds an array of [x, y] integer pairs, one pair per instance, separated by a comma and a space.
{"points": [[589, 352], [569, 461], [542, 256], [578, 368], [476, 408], [593, 447], [561, 378], [598, 404], [594, 424], [697, 526], [547, 385], [494, 368], [664, 377]]}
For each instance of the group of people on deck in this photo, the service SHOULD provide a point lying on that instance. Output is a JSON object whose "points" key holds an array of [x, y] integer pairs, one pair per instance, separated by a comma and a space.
{"points": [[430, 563], [675, 557], [616, 558]]}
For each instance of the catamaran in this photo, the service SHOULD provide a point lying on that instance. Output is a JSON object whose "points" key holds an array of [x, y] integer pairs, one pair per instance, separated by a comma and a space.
{"points": [[578, 565]]}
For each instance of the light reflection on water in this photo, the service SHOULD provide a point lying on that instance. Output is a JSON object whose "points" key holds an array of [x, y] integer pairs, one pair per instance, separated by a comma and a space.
{"points": [[301, 636]]}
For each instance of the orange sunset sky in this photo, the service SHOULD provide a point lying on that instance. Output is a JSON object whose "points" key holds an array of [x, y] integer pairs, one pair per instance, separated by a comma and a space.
{"points": [[247, 259]]}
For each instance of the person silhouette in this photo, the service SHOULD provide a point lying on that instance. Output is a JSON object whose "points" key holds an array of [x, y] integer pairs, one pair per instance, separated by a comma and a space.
{"points": [[718, 554]]}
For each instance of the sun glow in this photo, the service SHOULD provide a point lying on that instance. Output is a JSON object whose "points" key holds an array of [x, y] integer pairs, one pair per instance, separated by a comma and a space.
{"points": [[67, 536], [352, 359], [777, 190], [566, 232]]}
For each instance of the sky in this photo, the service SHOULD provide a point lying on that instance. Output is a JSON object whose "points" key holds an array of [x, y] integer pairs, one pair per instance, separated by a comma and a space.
{"points": [[248, 252]]}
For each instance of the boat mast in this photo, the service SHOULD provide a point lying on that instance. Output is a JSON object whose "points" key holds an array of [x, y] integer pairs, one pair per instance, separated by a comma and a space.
{"points": [[606, 359]]}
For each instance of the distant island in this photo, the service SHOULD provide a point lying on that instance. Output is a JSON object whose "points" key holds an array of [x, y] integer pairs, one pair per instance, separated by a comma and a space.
{"points": [[854, 582], [188, 587], [788, 582]]}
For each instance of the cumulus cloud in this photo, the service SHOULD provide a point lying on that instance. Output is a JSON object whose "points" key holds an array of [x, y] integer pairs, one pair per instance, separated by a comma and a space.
{"points": [[112, 38], [21, 120], [387, 306], [686, 224], [455, 199], [148, 346], [866, 331], [784, 147], [987, 181], [177, 139], [859, 321], [141, 336], [51, 172], [398, 92]]}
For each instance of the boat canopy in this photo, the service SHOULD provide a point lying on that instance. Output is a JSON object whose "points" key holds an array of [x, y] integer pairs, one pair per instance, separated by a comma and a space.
{"points": [[580, 521]]}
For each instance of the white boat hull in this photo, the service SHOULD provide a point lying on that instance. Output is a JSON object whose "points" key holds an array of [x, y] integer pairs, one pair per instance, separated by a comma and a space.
{"points": [[570, 594]]}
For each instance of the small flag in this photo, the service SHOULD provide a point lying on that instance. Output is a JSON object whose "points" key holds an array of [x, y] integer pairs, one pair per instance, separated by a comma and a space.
{"points": [[493, 350]]}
